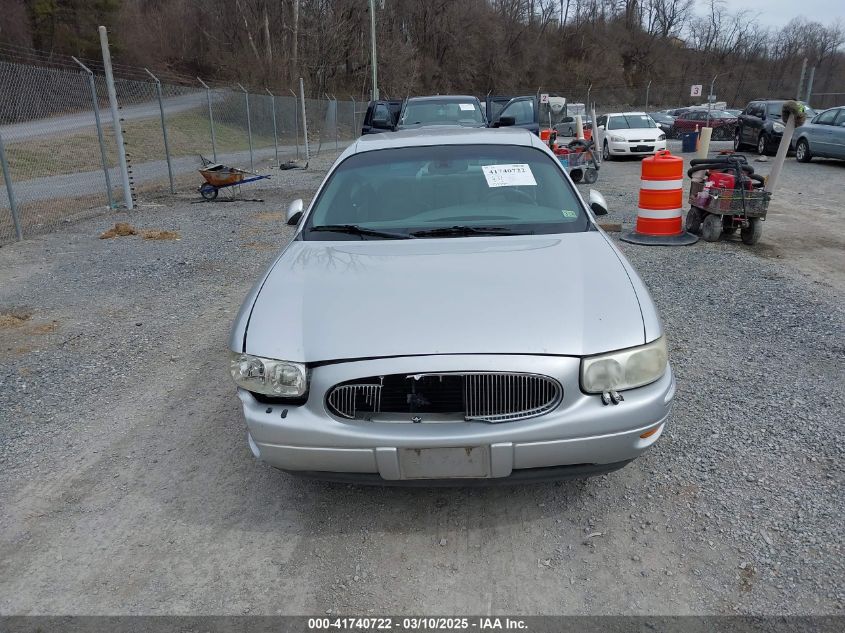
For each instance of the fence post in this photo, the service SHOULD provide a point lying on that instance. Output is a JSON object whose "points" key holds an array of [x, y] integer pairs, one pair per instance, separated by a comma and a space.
{"points": [[295, 121], [95, 102], [13, 205], [275, 133], [210, 118], [354, 116], [163, 129], [118, 129], [336, 140], [248, 128], [304, 119]]}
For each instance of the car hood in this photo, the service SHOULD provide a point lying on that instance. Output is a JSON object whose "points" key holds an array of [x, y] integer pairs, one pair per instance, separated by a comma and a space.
{"points": [[646, 133], [558, 294]]}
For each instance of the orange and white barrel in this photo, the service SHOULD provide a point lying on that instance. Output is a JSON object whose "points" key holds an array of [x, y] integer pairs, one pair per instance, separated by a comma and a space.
{"points": [[661, 202]]}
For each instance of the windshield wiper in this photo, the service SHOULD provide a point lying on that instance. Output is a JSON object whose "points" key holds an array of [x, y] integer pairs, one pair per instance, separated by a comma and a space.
{"points": [[354, 229], [463, 231]]}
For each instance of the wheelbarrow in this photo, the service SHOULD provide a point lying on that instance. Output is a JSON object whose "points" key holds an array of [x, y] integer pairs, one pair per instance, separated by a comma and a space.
{"points": [[218, 176]]}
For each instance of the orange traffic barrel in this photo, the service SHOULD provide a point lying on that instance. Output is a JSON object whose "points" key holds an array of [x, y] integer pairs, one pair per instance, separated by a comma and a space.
{"points": [[661, 203], [545, 135]]}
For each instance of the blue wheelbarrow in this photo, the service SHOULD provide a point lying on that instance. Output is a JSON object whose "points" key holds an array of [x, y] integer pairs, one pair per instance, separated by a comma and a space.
{"points": [[218, 176]]}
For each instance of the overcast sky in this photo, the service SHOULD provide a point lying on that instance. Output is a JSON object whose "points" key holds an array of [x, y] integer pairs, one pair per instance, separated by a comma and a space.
{"points": [[776, 13]]}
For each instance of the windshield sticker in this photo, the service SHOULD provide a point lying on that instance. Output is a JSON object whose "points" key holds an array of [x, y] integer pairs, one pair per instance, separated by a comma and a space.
{"points": [[569, 213], [466, 106], [515, 175]]}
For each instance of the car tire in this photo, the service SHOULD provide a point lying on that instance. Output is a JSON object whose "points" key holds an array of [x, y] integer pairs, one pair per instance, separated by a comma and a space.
{"points": [[802, 151], [576, 175], [751, 234], [737, 141], [605, 151], [711, 227], [693, 220], [762, 144]]}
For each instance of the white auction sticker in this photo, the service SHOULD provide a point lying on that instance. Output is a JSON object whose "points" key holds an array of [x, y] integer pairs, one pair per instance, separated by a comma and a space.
{"points": [[515, 175], [466, 106]]}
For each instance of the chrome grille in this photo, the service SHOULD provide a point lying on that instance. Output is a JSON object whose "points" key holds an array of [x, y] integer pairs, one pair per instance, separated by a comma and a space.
{"points": [[475, 396], [346, 400], [505, 397]]}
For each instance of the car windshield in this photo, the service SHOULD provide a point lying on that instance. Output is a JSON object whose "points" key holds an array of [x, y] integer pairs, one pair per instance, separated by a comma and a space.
{"points": [[445, 191], [630, 122], [441, 113]]}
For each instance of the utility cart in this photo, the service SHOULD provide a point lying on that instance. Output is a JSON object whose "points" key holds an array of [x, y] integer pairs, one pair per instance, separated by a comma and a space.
{"points": [[578, 158], [726, 196]]}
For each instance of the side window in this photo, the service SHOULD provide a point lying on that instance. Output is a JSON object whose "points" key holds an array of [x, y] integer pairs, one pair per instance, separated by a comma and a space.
{"points": [[756, 109], [521, 111], [840, 118], [381, 113], [826, 118], [602, 120]]}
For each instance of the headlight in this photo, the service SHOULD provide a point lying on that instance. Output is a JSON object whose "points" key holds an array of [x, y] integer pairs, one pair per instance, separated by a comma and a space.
{"points": [[626, 369], [617, 139], [662, 137], [268, 376], [778, 127]]}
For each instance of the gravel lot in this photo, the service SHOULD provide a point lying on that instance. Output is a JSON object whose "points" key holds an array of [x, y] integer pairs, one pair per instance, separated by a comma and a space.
{"points": [[128, 487]]}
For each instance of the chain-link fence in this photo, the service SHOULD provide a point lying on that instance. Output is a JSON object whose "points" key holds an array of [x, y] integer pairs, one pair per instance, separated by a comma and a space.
{"points": [[60, 156]]}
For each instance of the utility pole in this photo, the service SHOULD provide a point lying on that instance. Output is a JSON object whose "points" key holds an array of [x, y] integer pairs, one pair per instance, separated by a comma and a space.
{"points": [[373, 60], [810, 85], [647, 89], [801, 80]]}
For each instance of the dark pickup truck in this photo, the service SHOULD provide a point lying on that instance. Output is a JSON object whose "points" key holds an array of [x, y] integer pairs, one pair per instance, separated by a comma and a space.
{"points": [[381, 116], [510, 111]]}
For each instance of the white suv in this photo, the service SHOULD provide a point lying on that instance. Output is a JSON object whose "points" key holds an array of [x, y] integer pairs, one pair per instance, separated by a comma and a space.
{"points": [[629, 133]]}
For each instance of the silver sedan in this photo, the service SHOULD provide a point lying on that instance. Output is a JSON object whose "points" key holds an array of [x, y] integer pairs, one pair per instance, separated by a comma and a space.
{"points": [[449, 312]]}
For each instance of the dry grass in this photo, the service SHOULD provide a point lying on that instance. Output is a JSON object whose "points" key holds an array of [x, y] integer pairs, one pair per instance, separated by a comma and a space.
{"points": [[187, 133], [45, 328], [160, 235], [121, 229], [16, 319], [124, 229]]}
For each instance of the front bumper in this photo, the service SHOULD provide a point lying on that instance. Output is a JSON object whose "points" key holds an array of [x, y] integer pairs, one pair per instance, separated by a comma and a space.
{"points": [[580, 432], [640, 148]]}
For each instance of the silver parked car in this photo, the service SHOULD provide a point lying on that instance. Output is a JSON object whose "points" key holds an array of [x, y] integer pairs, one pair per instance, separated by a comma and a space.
{"points": [[449, 311], [821, 137]]}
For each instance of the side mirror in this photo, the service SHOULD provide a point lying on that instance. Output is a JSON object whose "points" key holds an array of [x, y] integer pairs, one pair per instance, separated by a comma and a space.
{"points": [[294, 212], [504, 121], [382, 124], [597, 203]]}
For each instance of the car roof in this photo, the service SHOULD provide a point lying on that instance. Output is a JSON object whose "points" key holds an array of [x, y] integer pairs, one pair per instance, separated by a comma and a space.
{"points": [[444, 98], [427, 136], [626, 114]]}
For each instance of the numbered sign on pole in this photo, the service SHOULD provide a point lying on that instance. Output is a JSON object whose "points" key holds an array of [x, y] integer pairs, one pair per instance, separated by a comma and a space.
{"points": [[544, 98], [695, 91]]}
